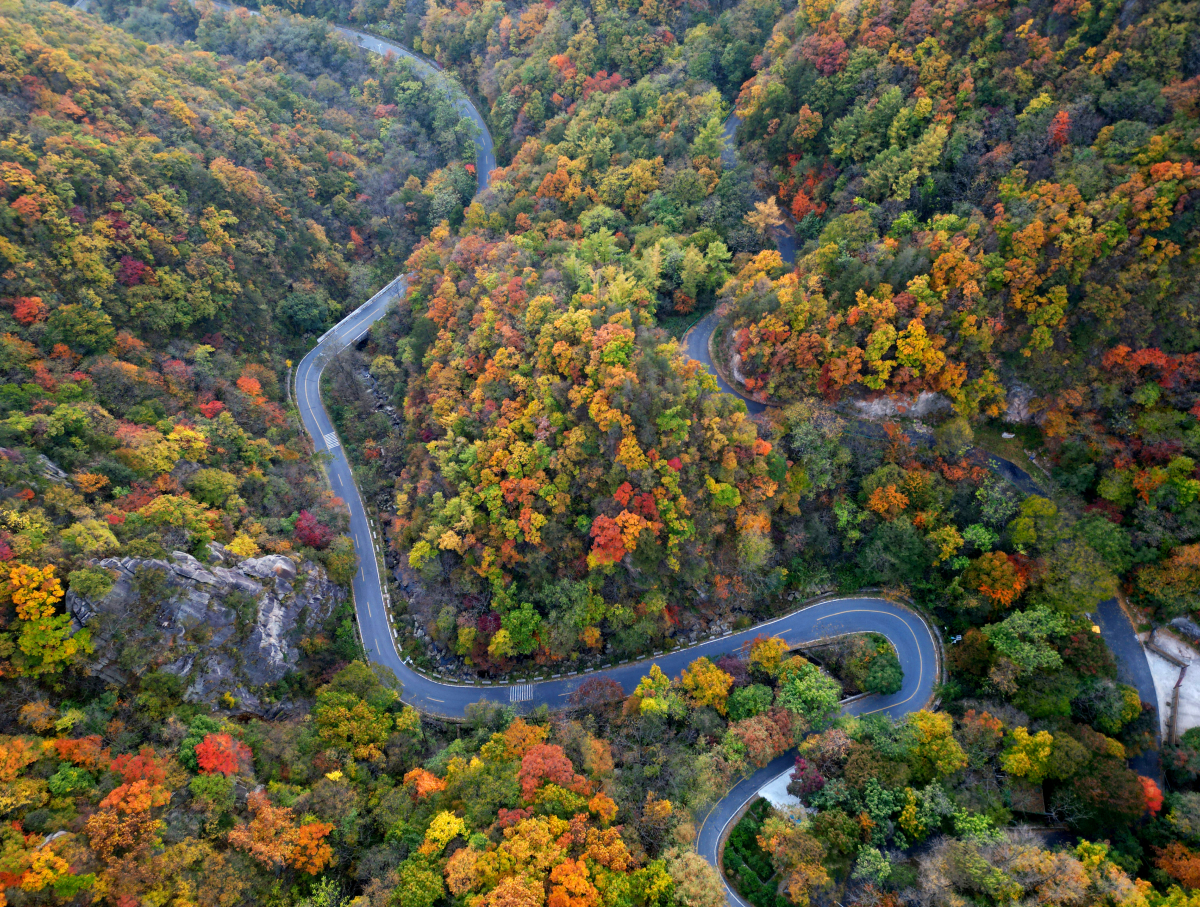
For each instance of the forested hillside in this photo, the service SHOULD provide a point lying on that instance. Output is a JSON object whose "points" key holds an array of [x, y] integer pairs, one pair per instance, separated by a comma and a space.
{"points": [[997, 200], [168, 217], [994, 203], [177, 193], [560, 459], [1008, 188]]}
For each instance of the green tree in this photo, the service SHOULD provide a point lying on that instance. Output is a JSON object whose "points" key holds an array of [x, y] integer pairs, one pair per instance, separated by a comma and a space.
{"points": [[375, 683], [1075, 579], [1108, 540], [812, 695], [1037, 524], [86, 330], [748, 701], [884, 674], [213, 486], [341, 560], [954, 437], [418, 883], [307, 312], [522, 625], [1023, 637], [710, 140], [90, 582]]}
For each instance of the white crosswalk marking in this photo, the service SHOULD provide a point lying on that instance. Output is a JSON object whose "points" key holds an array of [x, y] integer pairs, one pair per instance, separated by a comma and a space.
{"points": [[520, 692], [331, 440]]}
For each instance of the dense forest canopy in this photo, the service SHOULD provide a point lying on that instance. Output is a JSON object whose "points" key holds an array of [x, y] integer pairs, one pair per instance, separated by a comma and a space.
{"points": [[993, 204], [163, 192], [992, 194]]}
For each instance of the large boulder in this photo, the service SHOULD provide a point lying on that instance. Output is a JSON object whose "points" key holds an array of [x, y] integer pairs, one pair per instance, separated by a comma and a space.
{"points": [[224, 630]]}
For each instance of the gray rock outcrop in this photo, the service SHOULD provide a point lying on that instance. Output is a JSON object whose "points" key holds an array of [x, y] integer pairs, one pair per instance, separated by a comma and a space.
{"points": [[924, 404], [223, 630], [1019, 400], [1188, 628]]}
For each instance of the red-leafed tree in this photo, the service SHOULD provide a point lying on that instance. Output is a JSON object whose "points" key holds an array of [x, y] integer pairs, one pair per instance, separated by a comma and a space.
{"points": [[608, 547], [1154, 797], [1060, 129], [132, 272], [826, 50], [29, 309], [145, 766], [221, 754], [311, 532], [548, 763]]}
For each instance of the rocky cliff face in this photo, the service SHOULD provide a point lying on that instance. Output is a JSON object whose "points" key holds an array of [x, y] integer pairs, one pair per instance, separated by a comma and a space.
{"points": [[223, 630]]}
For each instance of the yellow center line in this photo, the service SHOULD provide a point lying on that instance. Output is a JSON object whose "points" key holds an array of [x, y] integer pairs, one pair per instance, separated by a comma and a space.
{"points": [[916, 641], [920, 677]]}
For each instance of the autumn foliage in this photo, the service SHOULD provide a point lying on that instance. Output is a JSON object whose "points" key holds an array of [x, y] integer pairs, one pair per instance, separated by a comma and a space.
{"points": [[221, 754]]}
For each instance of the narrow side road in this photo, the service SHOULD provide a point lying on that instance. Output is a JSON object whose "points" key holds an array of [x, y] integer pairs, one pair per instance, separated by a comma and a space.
{"points": [[1133, 668], [696, 344]]}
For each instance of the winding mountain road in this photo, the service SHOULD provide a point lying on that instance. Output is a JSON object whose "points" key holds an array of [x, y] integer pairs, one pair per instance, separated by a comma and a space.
{"points": [[909, 633], [428, 70], [912, 637]]}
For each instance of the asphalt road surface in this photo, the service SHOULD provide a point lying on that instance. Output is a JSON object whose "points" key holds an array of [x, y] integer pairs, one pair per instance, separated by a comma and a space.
{"points": [[696, 344], [1133, 668]]}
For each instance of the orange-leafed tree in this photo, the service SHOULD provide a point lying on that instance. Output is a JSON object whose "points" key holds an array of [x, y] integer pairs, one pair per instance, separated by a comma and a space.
{"points": [[889, 502], [982, 735], [135, 797], [88, 752], [251, 387], [15, 754], [311, 853], [423, 782], [90, 482], [763, 737], [520, 738], [996, 576], [603, 807], [121, 837], [571, 887], [1180, 863], [654, 820], [270, 835]]}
